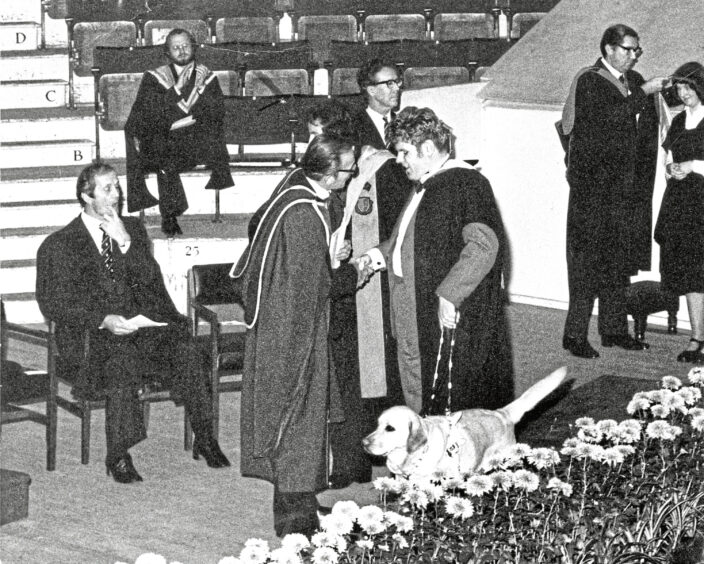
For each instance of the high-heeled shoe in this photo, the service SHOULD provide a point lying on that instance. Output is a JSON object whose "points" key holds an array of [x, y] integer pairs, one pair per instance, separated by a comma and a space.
{"points": [[210, 450], [694, 355], [123, 471]]}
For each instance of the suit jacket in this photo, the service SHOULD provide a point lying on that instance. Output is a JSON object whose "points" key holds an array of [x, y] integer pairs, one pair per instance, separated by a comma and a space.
{"points": [[74, 290], [602, 171], [367, 131]]}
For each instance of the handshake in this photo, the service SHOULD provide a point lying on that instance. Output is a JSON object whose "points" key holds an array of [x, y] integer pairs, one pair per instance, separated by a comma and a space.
{"points": [[364, 268]]}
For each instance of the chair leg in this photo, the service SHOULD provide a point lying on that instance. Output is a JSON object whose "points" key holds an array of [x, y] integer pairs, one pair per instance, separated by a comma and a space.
{"points": [[146, 410], [187, 432], [51, 424], [85, 435]]}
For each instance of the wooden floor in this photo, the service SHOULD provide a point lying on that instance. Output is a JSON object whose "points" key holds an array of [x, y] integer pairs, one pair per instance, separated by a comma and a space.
{"points": [[195, 515]]}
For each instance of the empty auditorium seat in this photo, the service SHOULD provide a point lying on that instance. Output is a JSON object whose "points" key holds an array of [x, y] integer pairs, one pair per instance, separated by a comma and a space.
{"points": [[451, 27], [251, 29], [523, 21], [85, 36], [321, 30], [415, 78], [344, 81], [273, 82], [155, 31], [387, 27]]}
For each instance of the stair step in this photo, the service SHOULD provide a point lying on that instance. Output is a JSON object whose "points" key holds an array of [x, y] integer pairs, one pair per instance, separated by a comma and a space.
{"points": [[34, 94], [17, 279], [38, 213], [20, 11], [44, 64], [23, 154], [19, 36], [29, 124], [22, 308]]}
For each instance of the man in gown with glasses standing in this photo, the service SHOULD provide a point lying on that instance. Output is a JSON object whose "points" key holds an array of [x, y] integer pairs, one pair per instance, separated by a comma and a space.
{"points": [[380, 84], [604, 243]]}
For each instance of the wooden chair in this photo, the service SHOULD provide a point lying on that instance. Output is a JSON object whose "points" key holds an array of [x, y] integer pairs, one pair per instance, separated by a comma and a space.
{"points": [[212, 298], [20, 387], [82, 405]]}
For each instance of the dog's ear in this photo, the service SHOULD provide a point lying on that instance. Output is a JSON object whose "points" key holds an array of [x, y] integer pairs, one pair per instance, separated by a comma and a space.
{"points": [[416, 435]]}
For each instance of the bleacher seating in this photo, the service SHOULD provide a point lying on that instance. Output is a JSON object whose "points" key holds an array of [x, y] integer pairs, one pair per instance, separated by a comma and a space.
{"points": [[155, 31], [246, 28], [388, 27], [458, 26]]}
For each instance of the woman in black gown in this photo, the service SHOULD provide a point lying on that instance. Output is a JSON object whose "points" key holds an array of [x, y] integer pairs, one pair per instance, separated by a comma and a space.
{"points": [[680, 226]]}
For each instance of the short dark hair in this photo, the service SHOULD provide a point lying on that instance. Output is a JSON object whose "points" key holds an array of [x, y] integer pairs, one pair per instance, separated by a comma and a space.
{"points": [[614, 35], [86, 179], [366, 73], [417, 125], [180, 31], [335, 118], [691, 74], [322, 157]]}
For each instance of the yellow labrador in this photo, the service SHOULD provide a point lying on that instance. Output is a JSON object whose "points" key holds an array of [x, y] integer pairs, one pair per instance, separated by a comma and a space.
{"points": [[456, 444]]}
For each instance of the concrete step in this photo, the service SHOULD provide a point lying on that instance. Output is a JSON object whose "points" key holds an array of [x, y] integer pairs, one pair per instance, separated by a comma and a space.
{"points": [[64, 152], [34, 94], [19, 36], [22, 308], [17, 276], [45, 64], [21, 244], [47, 123]]}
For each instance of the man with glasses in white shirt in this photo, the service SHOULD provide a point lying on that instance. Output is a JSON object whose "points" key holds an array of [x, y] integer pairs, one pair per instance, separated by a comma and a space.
{"points": [[606, 243], [381, 85]]}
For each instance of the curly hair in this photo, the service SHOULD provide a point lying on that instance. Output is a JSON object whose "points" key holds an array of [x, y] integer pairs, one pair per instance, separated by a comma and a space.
{"points": [[416, 125], [335, 118]]}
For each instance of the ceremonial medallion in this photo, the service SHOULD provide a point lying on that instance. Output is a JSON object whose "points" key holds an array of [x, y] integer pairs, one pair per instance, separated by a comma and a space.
{"points": [[364, 205]]}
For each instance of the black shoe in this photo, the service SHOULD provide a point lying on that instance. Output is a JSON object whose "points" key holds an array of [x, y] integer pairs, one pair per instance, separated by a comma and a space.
{"points": [[624, 341], [170, 227], [123, 471], [210, 450], [579, 347], [338, 481], [324, 510], [694, 355], [295, 512]]}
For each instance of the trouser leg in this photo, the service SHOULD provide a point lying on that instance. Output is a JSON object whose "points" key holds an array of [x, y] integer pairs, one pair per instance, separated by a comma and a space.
{"points": [[172, 196], [124, 423], [613, 318], [295, 512], [581, 300]]}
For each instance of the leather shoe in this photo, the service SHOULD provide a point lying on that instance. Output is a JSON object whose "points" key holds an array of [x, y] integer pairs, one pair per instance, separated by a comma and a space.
{"points": [[338, 481], [123, 471], [579, 347], [624, 341], [210, 450], [695, 355], [324, 510]]}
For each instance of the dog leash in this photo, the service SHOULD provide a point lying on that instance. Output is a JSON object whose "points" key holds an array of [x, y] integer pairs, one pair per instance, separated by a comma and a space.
{"points": [[448, 408]]}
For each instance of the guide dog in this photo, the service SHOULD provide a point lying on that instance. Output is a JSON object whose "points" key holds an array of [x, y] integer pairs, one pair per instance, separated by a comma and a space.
{"points": [[455, 444]]}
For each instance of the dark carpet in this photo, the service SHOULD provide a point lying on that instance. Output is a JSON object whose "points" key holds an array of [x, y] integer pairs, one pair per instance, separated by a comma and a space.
{"points": [[551, 422]]}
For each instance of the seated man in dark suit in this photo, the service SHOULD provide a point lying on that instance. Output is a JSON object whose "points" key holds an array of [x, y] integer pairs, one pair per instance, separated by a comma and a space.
{"points": [[176, 123], [381, 85], [98, 275]]}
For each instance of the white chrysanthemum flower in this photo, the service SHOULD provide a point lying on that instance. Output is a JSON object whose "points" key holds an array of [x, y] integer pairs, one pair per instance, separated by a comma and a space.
{"points": [[632, 426], [635, 405], [519, 450], [696, 375], [607, 427], [572, 442], [404, 524], [295, 542], [671, 382], [459, 507], [589, 434], [225, 560], [336, 524], [254, 554], [400, 540], [284, 556], [687, 395], [478, 485], [696, 411], [366, 544], [434, 492], [451, 482], [324, 555], [502, 480], [374, 527], [526, 480], [612, 456], [584, 422], [660, 411], [496, 461], [416, 498], [660, 430], [347, 508], [543, 458], [678, 403], [656, 395], [150, 558], [563, 487], [640, 395], [324, 538], [388, 484], [698, 423]]}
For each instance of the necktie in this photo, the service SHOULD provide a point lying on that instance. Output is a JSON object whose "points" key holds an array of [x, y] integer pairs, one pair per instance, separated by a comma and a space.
{"points": [[622, 80], [386, 130], [106, 253]]}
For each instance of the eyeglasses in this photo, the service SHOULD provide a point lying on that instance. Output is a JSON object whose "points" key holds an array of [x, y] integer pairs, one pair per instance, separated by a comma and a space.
{"points": [[637, 51], [354, 172], [389, 83]]}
